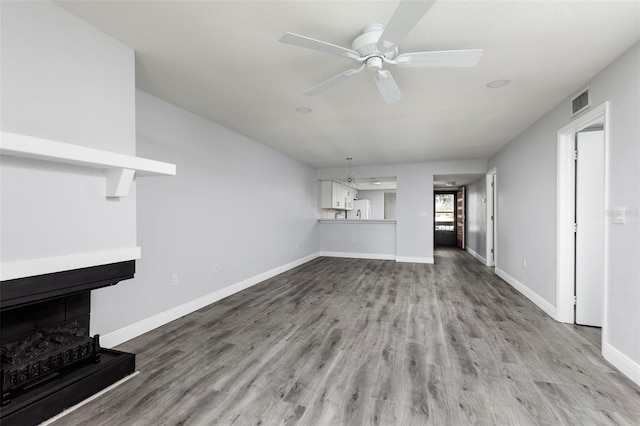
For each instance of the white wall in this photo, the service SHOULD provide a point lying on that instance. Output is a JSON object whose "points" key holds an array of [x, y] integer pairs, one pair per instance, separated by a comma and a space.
{"points": [[414, 208], [526, 202], [234, 203], [65, 81], [476, 217]]}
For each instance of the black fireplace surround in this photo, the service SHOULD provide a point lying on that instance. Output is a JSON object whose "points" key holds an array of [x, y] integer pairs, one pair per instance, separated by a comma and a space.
{"points": [[51, 312]]}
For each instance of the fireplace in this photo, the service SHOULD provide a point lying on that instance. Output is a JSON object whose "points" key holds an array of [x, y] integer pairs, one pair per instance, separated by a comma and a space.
{"points": [[49, 361]]}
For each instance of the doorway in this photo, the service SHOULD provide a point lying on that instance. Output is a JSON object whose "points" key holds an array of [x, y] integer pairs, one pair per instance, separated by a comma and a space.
{"points": [[589, 219], [445, 218], [572, 228]]}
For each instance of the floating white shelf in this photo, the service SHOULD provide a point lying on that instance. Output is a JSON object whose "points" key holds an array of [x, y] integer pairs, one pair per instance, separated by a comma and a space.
{"points": [[119, 168], [48, 265]]}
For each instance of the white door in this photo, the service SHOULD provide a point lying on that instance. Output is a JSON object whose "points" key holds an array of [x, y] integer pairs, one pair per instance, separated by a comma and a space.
{"points": [[590, 228]]}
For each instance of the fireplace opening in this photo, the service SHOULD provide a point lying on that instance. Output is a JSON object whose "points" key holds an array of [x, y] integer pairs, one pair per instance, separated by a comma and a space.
{"points": [[44, 355], [49, 360]]}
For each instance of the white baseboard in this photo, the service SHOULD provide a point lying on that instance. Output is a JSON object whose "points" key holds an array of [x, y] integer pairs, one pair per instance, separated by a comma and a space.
{"points": [[376, 256], [476, 255], [619, 360], [622, 362], [409, 259], [122, 335], [528, 293]]}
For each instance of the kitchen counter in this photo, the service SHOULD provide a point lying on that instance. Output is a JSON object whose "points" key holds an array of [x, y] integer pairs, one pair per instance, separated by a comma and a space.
{"points": [[368, 221]]}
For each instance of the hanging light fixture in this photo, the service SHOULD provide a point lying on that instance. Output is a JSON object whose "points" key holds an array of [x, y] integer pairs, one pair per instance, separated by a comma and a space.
{"points": [[350, 178]]}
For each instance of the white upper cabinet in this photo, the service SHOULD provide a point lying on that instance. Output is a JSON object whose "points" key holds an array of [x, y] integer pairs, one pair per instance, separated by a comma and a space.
{"points": [[336, 195]]}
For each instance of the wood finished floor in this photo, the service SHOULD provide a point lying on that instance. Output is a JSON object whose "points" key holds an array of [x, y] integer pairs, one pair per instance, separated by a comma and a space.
{"points": [[369, 342]]}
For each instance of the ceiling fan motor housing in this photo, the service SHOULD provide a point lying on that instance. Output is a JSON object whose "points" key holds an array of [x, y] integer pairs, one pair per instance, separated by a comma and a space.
{"points": [[366, 43]]}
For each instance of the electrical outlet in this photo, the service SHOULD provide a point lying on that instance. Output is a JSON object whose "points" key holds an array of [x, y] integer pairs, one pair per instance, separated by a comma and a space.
{"points": [[216, 268], [619, 215], [174, 279]]}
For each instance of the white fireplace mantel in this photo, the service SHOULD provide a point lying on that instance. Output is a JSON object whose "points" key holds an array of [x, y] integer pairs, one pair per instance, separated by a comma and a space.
{"points": [[48, 265], [119, 169]]}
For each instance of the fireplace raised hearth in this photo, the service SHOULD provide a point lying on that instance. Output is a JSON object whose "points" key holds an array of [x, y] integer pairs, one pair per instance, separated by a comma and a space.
{"points": [[49, 361]]}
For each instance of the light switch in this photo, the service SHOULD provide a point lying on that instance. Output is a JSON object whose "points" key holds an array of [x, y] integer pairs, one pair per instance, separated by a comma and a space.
{"points": [[619, 215]]}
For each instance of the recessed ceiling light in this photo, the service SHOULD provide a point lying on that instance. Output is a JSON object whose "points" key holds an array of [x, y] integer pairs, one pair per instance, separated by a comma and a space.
{"points": [[303, 110], [497, 83]]}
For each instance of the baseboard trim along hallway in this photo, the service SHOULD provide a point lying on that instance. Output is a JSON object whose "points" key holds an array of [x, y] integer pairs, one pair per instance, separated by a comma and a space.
{"points": [[621, 362], [476, 255], [528, 293]]}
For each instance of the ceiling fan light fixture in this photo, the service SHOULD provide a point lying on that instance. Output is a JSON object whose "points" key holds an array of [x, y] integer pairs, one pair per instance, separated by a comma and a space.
{"points": [[497, 83], [374, 64]]}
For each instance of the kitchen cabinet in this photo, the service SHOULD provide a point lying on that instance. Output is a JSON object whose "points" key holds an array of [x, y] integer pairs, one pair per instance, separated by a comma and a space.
{"points": [[350, 192], [335, 195]]}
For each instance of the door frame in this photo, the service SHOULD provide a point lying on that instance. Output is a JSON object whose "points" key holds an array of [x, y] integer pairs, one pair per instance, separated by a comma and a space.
{"points": [[453, 192], [565, 201], [492, 210], [461, 218]]}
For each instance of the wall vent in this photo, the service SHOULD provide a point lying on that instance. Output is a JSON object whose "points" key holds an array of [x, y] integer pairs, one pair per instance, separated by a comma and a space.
{"points": [[580, 102]]}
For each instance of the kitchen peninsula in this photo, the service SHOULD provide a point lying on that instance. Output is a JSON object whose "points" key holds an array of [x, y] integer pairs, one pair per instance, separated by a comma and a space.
{"points": [[352, 221], [365, 239]]}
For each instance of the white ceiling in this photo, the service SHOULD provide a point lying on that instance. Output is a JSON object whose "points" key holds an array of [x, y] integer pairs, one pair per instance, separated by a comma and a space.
{"points": [[222, 60]]}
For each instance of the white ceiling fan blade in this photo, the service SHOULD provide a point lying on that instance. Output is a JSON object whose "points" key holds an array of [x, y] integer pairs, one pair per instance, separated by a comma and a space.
{"points": [[406, 16], [333, 80], [309, 43], [387, 87], [446, 58]]}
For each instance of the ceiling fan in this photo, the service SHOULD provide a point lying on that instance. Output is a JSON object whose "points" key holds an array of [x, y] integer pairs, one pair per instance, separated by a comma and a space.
{"points": [[378, 45]]}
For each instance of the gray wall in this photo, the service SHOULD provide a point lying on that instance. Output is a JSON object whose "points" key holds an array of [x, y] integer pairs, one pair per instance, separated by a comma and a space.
{"points": [[476, 217], [234, 203], [526, 201], [375, 239], [414, 208], [65, 81]]}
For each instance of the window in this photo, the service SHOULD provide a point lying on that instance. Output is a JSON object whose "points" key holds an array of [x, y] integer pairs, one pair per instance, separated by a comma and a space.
{"points": [[445, 212]]}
